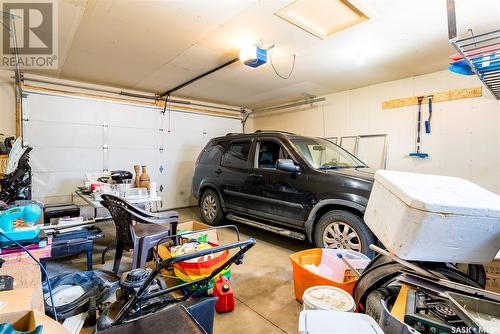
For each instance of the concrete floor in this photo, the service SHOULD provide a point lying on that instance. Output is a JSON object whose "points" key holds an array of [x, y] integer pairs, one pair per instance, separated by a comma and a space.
{"points": [[263, 284]]}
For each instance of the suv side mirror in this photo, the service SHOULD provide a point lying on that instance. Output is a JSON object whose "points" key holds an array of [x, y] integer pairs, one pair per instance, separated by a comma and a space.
{"points": [[287, 165]]}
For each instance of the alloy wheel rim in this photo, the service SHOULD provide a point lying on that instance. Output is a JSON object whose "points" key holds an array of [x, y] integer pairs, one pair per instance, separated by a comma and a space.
{"points": [[209, 207], [341, 236]]}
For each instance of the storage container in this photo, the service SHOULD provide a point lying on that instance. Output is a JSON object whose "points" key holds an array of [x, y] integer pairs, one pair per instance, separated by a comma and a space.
{"points": [[316, 322], [334, 268], [304, 276], [330, 298], [434, 218]]}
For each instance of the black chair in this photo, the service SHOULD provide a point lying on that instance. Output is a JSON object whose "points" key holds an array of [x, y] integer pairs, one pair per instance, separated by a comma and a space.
{"points": [[137, 229]]}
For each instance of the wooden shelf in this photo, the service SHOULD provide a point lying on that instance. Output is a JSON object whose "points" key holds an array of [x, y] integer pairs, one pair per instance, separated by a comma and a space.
{"points": [[450, 95]]}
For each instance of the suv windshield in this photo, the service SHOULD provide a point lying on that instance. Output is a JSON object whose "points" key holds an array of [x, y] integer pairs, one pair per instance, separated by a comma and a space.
{"points": [[323, 154]]}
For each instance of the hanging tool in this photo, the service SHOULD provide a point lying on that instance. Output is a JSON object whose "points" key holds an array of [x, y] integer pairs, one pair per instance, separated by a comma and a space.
{"points": [[428, 121], [418, 154]]}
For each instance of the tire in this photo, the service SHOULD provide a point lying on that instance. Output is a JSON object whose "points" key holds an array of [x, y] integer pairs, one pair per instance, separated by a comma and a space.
{"points": [[210, 208], [92, 312], [382, 275], [374, 307], [332, 226], [477, 273]]}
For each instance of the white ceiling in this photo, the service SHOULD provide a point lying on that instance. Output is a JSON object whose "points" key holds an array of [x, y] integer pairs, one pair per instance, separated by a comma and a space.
{"points": [[156, 45]]}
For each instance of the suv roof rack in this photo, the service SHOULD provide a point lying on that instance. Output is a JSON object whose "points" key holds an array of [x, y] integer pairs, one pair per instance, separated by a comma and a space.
{"points": [[274, 131]]}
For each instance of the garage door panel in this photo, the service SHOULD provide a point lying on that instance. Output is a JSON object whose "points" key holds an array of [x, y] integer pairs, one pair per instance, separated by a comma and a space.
{"points": [[185, 137], [123, 115], [46, 159], [55, 184], [126, 158], [64, 135], [65, 109], [133, 138]]}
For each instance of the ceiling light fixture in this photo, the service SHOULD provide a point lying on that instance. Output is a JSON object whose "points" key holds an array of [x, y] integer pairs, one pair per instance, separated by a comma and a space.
{"points": [[253, 56]]}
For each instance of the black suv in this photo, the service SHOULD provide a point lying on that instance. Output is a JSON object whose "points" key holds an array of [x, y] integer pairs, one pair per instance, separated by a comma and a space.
{"points": [[297, 186]]}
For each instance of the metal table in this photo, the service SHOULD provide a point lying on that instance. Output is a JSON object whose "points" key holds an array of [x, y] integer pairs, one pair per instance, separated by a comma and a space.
{"points": [[147, 201]]}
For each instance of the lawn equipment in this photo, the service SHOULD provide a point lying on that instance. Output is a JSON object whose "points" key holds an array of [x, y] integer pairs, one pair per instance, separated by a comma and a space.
{"points": [[139, 302]]}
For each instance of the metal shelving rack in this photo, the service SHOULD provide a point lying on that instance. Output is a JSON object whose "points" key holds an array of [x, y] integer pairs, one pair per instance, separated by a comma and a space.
{"points": [[481, 52]]}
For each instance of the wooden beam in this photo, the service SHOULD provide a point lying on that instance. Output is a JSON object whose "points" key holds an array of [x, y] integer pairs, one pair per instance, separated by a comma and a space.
{"points": [[399, 307], [161, 104], [86, 95], [18, 101], [3, 164], [155, 104], [454, 94]]}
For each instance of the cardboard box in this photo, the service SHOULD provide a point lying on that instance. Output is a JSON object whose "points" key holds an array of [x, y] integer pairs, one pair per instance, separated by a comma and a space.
{"points": [[28, 320], [17, 300], [26, 275], [194, 226], [493, 283], [493, 276], [493, 268]]}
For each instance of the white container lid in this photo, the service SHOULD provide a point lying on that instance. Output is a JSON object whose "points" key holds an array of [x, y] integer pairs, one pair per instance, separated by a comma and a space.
{"points": [[318, 321], [324, 297], [440, 194]]}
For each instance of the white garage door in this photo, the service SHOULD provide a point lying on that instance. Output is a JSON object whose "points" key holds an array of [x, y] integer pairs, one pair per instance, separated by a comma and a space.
{"points": [[71, 136]]}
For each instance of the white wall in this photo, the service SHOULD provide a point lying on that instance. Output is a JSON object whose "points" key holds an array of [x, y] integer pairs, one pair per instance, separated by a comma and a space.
{"points": [[7, 104], [465, 137]]}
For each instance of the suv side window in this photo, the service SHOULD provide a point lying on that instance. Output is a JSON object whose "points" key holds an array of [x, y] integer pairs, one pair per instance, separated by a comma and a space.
{"points": [[269, 152], [212, 153], [237, 155]]}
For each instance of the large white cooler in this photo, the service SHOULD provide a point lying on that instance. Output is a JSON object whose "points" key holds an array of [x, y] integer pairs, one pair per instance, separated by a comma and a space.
{"points": [[434, 218]]}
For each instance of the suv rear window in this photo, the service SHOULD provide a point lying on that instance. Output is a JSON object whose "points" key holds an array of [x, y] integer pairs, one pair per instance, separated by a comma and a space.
{"points": [[237, 155], [212, 153]]}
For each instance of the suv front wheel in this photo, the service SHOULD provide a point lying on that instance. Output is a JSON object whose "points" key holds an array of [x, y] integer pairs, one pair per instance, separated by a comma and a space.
{"points": [[343, 230], [211, 210]]}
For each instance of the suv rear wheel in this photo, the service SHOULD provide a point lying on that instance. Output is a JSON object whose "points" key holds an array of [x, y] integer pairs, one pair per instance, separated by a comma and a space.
{"points": [[343, 230], [211, 210]]}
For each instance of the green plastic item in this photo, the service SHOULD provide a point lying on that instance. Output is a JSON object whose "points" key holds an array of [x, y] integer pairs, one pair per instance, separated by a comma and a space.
{"points": [[202, 237]]}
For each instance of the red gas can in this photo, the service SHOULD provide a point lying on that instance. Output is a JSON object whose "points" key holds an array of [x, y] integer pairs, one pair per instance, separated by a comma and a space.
{"points": [[224, 292]]}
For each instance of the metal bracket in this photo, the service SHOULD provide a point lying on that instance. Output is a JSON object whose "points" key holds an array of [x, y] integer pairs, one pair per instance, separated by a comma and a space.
{"points": [[452, 19]]}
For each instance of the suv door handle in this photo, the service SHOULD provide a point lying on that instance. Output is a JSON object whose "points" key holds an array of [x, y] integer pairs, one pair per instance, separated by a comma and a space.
{"points": [[218, 171], [256, 175]]}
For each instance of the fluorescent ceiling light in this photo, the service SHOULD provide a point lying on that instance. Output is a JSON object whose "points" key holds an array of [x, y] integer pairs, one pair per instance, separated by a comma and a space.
{"points": [[322, 18]]}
